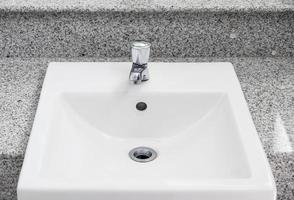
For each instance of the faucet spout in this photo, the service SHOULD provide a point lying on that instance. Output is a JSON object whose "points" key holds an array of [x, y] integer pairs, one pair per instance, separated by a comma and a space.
{"points": [[139, 73]]}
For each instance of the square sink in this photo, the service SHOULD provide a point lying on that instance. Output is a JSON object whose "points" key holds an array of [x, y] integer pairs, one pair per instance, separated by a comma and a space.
{"points": [[185, 134]]}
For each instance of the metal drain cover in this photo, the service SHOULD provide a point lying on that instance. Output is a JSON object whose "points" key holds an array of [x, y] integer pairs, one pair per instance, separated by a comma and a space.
{"points": [[142, 154]]}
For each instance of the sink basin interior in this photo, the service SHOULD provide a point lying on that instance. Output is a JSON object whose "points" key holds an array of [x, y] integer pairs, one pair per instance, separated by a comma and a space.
{"points": [[106, 126], [167, 114]]}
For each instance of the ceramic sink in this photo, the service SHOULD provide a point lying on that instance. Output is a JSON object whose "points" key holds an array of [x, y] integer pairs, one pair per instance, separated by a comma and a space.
{"points": [[194, 117]]}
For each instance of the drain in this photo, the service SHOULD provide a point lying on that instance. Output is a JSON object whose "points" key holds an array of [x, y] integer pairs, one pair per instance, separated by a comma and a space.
{"points": [[141, 106], [142, 154]]}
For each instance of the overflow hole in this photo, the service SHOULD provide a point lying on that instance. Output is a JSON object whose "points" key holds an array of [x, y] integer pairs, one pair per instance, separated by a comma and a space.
{"points": [[141, 106]]}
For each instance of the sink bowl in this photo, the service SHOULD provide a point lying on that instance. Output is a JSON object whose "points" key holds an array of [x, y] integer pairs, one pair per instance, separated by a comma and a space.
{"points": [[192, 115]]}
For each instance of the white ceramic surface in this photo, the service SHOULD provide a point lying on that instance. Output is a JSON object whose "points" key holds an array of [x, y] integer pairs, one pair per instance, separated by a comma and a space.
{"points": [[196, 119]]}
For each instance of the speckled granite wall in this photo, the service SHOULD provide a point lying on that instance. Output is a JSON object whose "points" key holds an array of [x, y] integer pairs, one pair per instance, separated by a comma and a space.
{"points": [[172, 33], [95, 29], [148, 5]]}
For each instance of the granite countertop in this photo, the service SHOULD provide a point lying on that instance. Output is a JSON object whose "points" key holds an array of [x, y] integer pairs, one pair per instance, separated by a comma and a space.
{"points": [[147, 5], [267, 83]]}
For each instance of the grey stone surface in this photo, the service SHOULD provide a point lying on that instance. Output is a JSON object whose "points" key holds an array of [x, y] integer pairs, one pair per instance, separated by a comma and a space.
{"points": [[20, 84], [147, 5], [9, 172], [267, 83], [172, 34]]}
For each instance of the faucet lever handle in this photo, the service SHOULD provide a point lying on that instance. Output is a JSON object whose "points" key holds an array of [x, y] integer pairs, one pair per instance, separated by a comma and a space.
{"points": [[140, 52]]}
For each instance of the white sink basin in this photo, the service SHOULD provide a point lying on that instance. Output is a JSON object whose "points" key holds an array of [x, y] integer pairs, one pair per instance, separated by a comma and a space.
{"points": [[196, 120]]}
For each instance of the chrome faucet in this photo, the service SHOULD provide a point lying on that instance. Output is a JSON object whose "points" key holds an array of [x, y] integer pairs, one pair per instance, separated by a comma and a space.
{"points": [[140, 56]]}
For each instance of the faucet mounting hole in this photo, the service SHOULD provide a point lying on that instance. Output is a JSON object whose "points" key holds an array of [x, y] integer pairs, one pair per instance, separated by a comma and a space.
{"points": [[141, 106], [142, 154]]}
